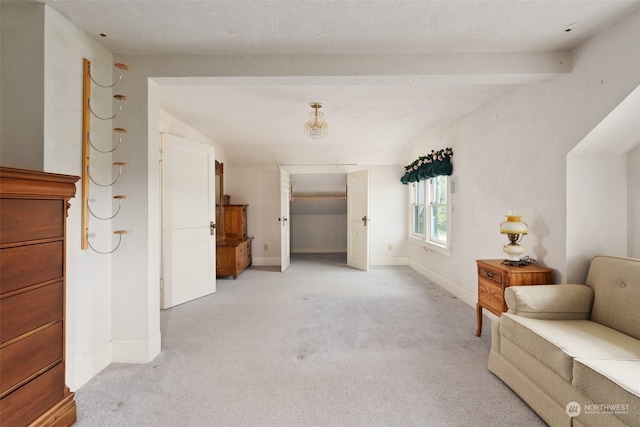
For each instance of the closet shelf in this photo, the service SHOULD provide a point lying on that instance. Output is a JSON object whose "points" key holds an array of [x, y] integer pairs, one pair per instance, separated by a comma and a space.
{"points": [[319, 195]]}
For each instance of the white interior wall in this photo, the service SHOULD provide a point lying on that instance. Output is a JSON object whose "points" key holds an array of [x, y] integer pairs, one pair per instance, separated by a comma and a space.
{"points": [[388, 201], [135, 285], [599, 214], [259, 187], [170, 124], [318, 233], [596, 209], [22, 85], [512, 154], [633, 180]]}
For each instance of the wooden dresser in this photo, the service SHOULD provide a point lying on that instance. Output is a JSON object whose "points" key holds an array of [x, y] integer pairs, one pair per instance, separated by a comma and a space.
{"points": [[494, 277], [33, 210], [233, 250]]}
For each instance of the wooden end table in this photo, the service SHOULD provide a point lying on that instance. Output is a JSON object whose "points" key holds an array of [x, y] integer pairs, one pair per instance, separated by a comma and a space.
{"points": [[494, 277]]}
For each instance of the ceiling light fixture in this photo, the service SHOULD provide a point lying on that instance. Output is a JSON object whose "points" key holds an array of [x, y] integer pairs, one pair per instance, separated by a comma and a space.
{"points": [[316, 127]]}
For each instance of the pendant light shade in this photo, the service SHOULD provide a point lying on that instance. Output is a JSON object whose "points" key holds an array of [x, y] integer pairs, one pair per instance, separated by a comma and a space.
{"points": [[316, 127]]}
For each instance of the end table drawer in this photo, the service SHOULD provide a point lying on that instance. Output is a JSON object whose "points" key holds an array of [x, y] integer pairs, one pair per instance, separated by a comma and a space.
{"points": [[490, 275]]}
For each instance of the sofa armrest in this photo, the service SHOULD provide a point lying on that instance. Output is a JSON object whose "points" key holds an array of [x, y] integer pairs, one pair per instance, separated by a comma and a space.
{"points": [[552, 302]]}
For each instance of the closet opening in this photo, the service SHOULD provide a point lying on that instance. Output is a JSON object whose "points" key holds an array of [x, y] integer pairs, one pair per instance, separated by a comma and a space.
{"points": [[318, 217]]}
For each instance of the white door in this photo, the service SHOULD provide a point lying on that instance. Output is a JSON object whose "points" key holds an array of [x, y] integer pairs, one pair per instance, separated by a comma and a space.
{"points": [[188, 217], [285, 240], [358, 219]]}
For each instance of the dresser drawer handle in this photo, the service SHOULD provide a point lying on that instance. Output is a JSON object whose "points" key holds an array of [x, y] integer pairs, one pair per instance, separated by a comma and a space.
{"points": [[490, 274]]}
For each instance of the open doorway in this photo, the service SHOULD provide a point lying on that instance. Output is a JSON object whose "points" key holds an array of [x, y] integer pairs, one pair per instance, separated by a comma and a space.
{"points": [[318, 217], [357, 207]]}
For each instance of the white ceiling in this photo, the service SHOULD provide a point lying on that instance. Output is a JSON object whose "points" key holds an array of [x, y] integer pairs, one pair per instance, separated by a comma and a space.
{"points": [[372, 119]]}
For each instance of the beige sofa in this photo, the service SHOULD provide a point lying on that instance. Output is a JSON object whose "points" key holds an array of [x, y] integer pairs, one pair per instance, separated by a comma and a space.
{"points": [[572, 352]]}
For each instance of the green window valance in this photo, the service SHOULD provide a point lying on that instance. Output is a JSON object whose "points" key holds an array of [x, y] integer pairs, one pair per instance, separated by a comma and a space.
{"points": [[433, 164]]}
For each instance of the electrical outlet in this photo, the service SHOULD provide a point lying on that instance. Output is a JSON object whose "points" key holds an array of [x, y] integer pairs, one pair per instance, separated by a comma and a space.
{"points": [[390, 247], [266, 247]]}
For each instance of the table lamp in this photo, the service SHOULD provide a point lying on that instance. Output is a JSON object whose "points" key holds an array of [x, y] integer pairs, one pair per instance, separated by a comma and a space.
{"points": [[515, 229]]}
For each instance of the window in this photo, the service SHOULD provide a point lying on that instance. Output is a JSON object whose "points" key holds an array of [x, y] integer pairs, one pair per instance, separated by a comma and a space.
{"points": [[430, 209], [418, 209]]}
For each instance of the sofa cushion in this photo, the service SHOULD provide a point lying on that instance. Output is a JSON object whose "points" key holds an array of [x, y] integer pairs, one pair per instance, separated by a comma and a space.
{"points": [[557, 342], [614, 384], [553, 302], [616, 287]]}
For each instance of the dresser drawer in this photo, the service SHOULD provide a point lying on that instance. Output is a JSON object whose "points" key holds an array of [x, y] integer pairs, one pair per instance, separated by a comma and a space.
{"points": [[491, 295], [22, 220], [30, 355], [248, 252], [490, 275], [25, 404], [43, 305], [23, 266]]}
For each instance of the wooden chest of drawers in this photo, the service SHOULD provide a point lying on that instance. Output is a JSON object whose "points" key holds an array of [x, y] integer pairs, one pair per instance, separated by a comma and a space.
{"points": [[494, 277], [233, 257], [33, 208]]}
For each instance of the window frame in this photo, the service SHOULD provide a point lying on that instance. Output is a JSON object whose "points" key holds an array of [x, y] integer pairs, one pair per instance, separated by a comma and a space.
{"points": [[428, 202]]}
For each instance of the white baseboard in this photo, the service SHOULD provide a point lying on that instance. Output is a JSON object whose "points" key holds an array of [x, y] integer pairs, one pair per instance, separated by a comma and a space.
{"points": [[85, 368], [136, 351], [444, 282], [319, 251]]}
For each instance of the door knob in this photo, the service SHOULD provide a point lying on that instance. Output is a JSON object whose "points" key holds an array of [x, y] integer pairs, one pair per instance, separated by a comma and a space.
{"points": [[365, 219], [212, 228]]}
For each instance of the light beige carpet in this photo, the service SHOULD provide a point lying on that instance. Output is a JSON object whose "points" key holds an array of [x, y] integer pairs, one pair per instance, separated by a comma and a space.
{"points": [[319, 345]]}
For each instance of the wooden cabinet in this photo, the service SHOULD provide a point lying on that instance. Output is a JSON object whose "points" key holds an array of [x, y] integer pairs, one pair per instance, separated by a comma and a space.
{"points": [[235, 222], [233, 250], [494, 277], [33, 209], [233, 257]]}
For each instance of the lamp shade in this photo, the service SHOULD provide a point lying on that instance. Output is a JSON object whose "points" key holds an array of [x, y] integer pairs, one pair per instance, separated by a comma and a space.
{"points": [[514, 225]]}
